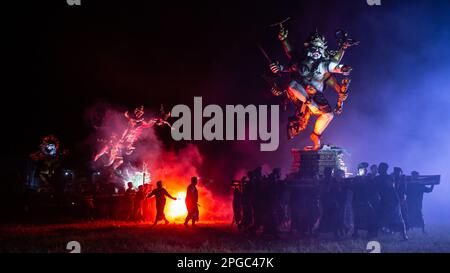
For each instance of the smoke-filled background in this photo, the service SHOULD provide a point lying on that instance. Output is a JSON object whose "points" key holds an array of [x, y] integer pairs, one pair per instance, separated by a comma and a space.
{"points": [[64, 60], [174, 167]]}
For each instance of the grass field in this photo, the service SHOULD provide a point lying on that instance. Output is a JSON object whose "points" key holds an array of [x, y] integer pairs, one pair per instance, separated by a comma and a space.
{"points": [[109, 236]]}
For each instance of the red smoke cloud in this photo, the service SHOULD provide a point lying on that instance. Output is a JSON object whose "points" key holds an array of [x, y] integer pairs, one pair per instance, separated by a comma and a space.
{"points": [[174, 167]]}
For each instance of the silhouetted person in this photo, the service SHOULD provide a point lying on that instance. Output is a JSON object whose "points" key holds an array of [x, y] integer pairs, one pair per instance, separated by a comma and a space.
{"points": [[374, 196], [305, 208], [344, 198], [247, 196], [414, 200], [192, 203], [389, 211], [160, 194], [363, 213], [130, 188], [237, 205], [401, 188], [138, 204], [147, 205], [272, 194], [258, 200], [328, 203], [373, 171], [129, 197]]}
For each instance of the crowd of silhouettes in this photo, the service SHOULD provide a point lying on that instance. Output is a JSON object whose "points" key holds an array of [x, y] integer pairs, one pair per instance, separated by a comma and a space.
{"points": [[373, 201], [257, 202], [139, 209], [139, 206]]}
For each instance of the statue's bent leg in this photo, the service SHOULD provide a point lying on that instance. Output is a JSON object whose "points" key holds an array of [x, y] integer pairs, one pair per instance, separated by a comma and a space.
{"points": [[322, 123], [299, 121], [298, 91], [323, 109], [319, 106]]}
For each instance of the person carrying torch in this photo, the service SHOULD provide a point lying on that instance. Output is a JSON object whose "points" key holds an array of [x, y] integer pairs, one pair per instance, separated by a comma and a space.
{"points": [[160, 194]]}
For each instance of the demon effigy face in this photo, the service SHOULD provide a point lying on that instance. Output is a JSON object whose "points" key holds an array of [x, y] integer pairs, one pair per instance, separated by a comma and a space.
{"points": [[49, 146], [316, 46], [50, 149], [139, 112]]}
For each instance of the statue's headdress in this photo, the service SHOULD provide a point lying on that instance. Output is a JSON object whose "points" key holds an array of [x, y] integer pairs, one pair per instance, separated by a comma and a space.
{"points": [[316, 39]]}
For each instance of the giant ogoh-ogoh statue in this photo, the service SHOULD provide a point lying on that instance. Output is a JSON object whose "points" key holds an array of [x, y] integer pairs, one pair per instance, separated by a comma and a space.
{"points": [[311, 70]]}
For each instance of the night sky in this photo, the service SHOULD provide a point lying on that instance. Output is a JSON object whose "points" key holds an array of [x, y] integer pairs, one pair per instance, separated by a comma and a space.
{"points": [[65, 60]]}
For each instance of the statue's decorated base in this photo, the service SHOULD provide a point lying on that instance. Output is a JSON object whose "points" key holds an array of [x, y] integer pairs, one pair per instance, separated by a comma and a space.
{"points": [[310, 163]]}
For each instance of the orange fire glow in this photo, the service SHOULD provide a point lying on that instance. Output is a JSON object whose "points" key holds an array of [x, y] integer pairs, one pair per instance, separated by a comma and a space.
{"points": [[176, 208]]}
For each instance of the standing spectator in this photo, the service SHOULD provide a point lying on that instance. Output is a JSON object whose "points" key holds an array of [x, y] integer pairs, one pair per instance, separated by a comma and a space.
{"points": [[389, 212], [414, 201], [363, 213], [247, 196], [129, 198], [401, 188], [138, 204], [192, 203], [237, 206], [160, 194]]}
